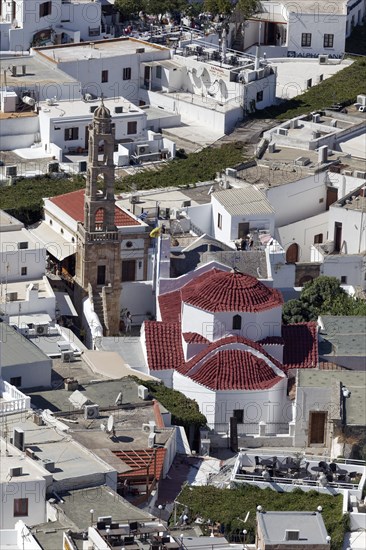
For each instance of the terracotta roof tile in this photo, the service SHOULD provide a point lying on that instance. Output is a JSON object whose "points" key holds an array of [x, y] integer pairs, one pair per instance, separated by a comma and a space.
{"points": [[195, 338], [73, 205], [301, 345], [228, 291], [235, 369], [163, 345], [184, 368]]}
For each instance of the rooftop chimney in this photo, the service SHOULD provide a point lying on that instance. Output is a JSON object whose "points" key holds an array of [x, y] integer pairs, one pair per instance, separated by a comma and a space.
{"points": [[323, 154]]}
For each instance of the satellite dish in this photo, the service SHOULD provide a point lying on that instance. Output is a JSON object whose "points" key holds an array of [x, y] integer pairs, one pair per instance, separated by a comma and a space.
{"points": [[110, 423], [119, 399], [102, 427], [200, 71]]}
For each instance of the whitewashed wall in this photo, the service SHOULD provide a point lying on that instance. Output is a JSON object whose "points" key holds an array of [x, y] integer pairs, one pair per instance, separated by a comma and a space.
{"points": [[302, 233]]}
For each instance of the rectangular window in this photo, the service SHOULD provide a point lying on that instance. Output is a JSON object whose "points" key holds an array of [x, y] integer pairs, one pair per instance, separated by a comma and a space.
{"points": [[260, 96], [71, 134], [306, 39], [128, 270], [126, 73], [318, 239], [23, 245], [104, 76], [239, 415], [328, 40], [23, 271], [132, 127], [16, 381], [219, 220], [20, 507], [343, 279], [45, 9], [158, 71]]}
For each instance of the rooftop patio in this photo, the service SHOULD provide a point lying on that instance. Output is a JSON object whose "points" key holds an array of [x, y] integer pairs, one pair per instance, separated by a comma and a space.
{"points": [[285, 472]]}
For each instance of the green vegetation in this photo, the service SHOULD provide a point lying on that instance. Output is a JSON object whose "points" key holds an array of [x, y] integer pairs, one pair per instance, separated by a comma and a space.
{"points": [[356, 43], [201, 166], [226, 506], [23, 200], [184, 411], [323, 296], [342, 87]]}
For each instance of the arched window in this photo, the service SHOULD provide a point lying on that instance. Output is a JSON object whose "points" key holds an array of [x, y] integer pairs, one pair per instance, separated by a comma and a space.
{"points": [[236, 322], [99, 219]]}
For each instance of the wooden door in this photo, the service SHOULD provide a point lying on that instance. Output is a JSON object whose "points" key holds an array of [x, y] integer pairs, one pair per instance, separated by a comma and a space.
{"points": [[292, 253], [317, 427]]}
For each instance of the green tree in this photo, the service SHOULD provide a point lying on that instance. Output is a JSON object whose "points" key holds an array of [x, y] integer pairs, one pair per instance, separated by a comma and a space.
{"points": [[323, 296], [249, 7], [216, 7], [129, 8]]}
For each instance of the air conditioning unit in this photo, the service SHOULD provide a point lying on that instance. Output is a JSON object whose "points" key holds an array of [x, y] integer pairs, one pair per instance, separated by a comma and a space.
{"points": [[146, 428], [152, 426], [142, 149], [142, 392], [282, 131], [12, 296], [15, 472], [91, 411], [10, 171], [323, 59], [67, 356], [41, 329], [361, 99], [359, 174], [30, 453], [151, 440]]}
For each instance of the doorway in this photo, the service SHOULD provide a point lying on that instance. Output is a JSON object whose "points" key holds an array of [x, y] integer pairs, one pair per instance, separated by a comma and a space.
{"points": [[101, 275], [292, 253], [243, 230], [337, 236], [317, 427]]}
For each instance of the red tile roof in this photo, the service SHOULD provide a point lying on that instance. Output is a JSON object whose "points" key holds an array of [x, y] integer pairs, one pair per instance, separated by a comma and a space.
{"points": [[301, 345], [73, 205], [228, 291], [186, 367], [171, 302], [235, 369], [163, 345], [159, 420], [195, 338], [170, 307], [143, 462]]}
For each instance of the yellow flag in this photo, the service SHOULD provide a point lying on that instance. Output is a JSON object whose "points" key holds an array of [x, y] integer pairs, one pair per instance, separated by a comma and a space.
{"points": [[155, 232]]}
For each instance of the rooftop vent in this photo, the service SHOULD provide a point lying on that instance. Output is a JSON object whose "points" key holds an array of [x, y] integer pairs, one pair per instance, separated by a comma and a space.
{"points": [[292, 535]]}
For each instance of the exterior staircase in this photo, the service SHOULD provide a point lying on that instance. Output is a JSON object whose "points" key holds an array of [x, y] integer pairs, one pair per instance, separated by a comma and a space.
{"points": [[99, 310]]}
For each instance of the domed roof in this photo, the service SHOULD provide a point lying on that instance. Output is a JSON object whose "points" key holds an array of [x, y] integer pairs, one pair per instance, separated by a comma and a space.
{"points": [[102, 111], [234, 369], [232, 291]]}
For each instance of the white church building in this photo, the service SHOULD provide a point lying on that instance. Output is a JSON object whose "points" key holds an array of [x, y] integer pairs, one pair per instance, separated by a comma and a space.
{"points": [[219, 339]]}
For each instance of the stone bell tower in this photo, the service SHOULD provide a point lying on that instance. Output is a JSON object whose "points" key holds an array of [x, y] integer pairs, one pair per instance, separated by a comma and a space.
{"points": [[98, 258]]}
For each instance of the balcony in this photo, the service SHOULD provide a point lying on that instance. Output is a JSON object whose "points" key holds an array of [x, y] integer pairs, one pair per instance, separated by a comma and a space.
{"points": [[12, 400]]}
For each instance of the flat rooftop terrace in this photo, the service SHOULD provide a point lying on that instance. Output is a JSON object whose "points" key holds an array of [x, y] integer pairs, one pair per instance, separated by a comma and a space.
{"points": [[96, 50], [38, 72]]}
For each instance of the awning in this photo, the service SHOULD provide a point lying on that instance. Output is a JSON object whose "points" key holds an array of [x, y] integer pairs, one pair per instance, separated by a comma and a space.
{"points": [[54, 242], [65, 305], [30, 319]]}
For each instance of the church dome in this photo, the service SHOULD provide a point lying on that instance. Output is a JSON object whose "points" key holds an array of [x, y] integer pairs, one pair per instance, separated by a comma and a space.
{"points": [[102, 111], [232, 291]]}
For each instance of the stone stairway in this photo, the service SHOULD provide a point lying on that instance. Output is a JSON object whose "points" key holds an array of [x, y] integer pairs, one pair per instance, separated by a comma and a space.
{"points": [[99, 310]]}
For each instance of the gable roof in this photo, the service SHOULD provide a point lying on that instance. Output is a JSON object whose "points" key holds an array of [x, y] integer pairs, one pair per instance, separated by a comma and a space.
{"points": [[73, 205], [246, 200]]}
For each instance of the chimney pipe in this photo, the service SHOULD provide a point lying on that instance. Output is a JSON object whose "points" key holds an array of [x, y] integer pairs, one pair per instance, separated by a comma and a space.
{"points": [[323, 154]]}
